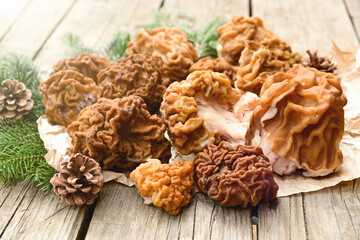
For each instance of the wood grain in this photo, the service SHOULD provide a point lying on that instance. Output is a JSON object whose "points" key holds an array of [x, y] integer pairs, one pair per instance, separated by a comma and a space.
{"points": [[327, 213], [10, 199], [90, 20], [10, 11], [120, 211], [202, 11], [42, 216], [353, 8], [282, 219], [307, 24], [135, 15], [36, 24]]}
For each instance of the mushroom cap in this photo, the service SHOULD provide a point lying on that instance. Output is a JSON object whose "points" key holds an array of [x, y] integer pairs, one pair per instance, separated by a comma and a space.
{"points": [[65, 94], [235, 176], [186, 128], [120, 134], [301, 118], [169, 44], [138, 75], [168, 185]]}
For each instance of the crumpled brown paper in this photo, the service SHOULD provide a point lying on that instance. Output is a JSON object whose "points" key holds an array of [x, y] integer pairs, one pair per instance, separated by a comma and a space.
{"points": [[58, 143]]}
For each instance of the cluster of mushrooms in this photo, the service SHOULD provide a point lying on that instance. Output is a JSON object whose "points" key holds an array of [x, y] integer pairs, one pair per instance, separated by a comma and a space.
{"points": [[253, 111]]}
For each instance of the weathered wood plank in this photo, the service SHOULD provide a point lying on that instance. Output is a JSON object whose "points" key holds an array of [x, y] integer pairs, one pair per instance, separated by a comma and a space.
{"points": [[328, 216], [282, 219], [42, 216], [89, 20], [309, 24], [9, 12], [353, 7], [203, 11], [323, 214], [139, 15], [37, 22], [120, 211], [10, 199]]}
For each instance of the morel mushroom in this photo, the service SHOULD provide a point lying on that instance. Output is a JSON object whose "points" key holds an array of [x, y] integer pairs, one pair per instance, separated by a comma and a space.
{"points": [[138, 75], [168, 185], [205, 108], [86, 63], [216, 65], [120, 134], [235, 176], [255, 65], [234, 34], [170, 45], [65, 94], [301, 121]]}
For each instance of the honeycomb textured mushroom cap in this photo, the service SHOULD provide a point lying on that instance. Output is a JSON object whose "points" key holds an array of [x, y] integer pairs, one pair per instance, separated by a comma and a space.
{"points": [[168, 44], [120, 134], [235, 176]]}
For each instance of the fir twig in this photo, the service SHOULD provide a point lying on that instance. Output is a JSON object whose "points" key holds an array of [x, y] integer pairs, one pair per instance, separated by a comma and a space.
{"points": [[206, 38], [22, 155], [115, 49], [21, 68], [75, 44]]}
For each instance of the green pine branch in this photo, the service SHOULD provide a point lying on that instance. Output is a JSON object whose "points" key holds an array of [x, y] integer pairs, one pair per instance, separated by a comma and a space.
{"points": [[76, 46], [115, 49], [22, 155], [21, 149]]}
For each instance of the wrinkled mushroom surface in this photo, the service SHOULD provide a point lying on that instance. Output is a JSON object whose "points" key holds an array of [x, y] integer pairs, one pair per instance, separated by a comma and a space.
{"points": [[138, 75], [170, 45], [86, 63], [255, 65], [65, 94], [235, 176], [205, 108], [168, 185], [119, 134], [301, 121], [234, 34], [216, 65]]}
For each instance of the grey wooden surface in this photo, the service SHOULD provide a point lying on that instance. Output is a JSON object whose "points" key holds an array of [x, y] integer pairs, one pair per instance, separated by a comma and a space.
{"points": [[35, 28]]}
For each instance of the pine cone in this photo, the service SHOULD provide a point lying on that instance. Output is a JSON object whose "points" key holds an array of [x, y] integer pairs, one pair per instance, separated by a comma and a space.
{"points": [[15, 99], [79, 180], [323, 64]]}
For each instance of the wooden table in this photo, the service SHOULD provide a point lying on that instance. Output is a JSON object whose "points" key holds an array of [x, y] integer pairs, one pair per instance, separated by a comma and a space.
{"points": [[35, 28]]}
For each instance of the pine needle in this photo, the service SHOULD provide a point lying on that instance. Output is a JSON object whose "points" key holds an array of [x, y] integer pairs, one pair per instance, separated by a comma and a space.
{"points": [[115, 49], [206, 38], [22, 155], [75, 44]]}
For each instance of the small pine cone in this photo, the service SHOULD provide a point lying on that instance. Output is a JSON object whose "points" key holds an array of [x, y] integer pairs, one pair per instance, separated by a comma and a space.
{"points": [[79, 180], [15, 99], [323, 64]]}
